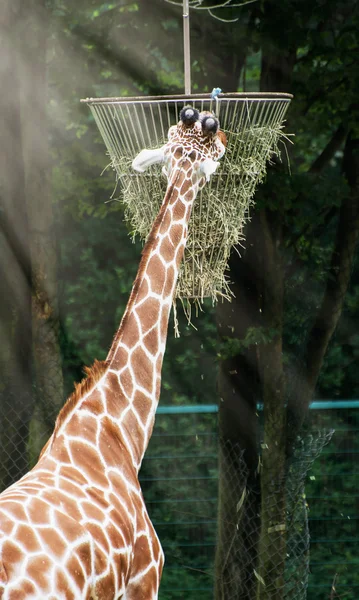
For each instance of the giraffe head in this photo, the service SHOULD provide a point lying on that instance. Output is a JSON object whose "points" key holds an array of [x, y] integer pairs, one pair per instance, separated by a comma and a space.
{"points": [[195, 144]]}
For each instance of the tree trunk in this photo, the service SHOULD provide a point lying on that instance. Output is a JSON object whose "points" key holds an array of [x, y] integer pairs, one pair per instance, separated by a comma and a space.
{"points": [[267, 540], [332, 303], [16, 404], [239, 392], [271, 545], [45, 317]]}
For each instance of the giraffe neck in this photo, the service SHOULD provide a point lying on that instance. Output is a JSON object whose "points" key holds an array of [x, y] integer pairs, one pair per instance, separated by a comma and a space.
{"points": [[136, 355]]}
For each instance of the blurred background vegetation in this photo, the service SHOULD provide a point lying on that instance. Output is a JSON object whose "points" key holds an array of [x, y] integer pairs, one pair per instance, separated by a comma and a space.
{"points": [[67, 263]]}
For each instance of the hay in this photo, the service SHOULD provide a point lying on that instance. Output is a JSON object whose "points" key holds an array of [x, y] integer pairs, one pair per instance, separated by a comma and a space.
{"points": [[219, 213]]}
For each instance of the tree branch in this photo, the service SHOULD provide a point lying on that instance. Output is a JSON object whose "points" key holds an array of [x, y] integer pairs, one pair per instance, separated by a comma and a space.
{"points": [[340, 268], [337, 284], [330, 149]]}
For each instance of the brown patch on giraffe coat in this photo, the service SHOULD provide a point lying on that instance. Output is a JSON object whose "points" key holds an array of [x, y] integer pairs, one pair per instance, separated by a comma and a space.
{"points": [[169, 283], [179, 255], [164, 322], [186, 187], [127, 385], [74, 567], [39, 512], [105, 587], [144, 587], [92, 512], [97, 533], [29, 541], [156, 272], [111, 441], [143, 366], [180, 210], [60, 452], [84, 554], [148, 313], [129, 337], [70, 487], [158, 386], [74, 474], [91, 465], [3, 578], [151, 341], [94, 404], [121, 355], [121, 534], [28, 588], [176, 234], [142, 553], [114, 394], [190, 195], [15, 509], [23, 593], [73, 428], [10, 556], [56, 498], [70, 528], [167, 249], [100, 560], [109, 451], [180, 178], [71, 505], [132, 426], [7, 526], [166, 222], [94, 374], [141, 404], [53, 541], [121, 492], [38, 569], [62, 585]]}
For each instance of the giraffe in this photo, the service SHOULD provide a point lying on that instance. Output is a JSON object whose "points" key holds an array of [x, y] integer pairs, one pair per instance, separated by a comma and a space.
{"points": [[76, 526]]}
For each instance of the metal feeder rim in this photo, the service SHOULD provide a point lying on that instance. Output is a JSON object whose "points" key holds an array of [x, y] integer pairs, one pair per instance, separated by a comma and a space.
{"points": [[185, 97]]}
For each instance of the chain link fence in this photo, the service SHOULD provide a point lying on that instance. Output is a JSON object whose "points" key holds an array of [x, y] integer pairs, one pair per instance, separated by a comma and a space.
{"points": [[26, 422], [206, 505], [239, 554]]}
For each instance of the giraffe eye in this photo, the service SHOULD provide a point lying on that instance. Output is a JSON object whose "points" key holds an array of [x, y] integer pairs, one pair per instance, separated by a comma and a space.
{"points": [[189, 115], [210, 125]]}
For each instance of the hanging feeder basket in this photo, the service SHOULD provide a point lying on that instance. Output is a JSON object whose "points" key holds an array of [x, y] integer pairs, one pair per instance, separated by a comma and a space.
{"points": [[253, 123]]}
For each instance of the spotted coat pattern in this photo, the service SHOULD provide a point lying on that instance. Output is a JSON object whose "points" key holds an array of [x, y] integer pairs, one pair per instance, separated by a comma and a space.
{"points": [[76, 526]]}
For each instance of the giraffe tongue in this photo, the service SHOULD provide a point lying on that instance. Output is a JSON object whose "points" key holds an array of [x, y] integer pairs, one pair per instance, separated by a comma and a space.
{"points": [[146, 158]]}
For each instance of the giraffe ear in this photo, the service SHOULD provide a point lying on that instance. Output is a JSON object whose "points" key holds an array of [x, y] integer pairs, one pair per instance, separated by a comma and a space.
{"points": [[146, 158], [208, 167]]}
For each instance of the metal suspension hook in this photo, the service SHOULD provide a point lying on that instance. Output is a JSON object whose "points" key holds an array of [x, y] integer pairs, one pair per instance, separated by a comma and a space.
{"points": [[186, 48]]}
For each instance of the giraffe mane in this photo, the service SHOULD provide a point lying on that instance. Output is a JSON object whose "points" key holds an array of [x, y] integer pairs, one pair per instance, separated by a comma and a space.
{"points": [[93, 375]]}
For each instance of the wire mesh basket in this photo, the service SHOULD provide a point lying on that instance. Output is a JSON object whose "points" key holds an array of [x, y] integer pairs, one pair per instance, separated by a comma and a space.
{"points": [[253, 123]]}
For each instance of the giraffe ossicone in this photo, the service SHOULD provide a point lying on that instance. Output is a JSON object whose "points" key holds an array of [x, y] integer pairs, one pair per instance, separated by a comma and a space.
{"points": [[205, 125], [76, 526]]}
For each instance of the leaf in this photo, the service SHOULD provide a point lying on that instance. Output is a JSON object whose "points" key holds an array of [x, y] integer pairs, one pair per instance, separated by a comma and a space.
{"points": [[260, 579]]}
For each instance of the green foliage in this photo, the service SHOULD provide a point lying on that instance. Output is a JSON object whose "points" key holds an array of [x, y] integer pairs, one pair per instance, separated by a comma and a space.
{"points": [[129, 48], [255, 336]]}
